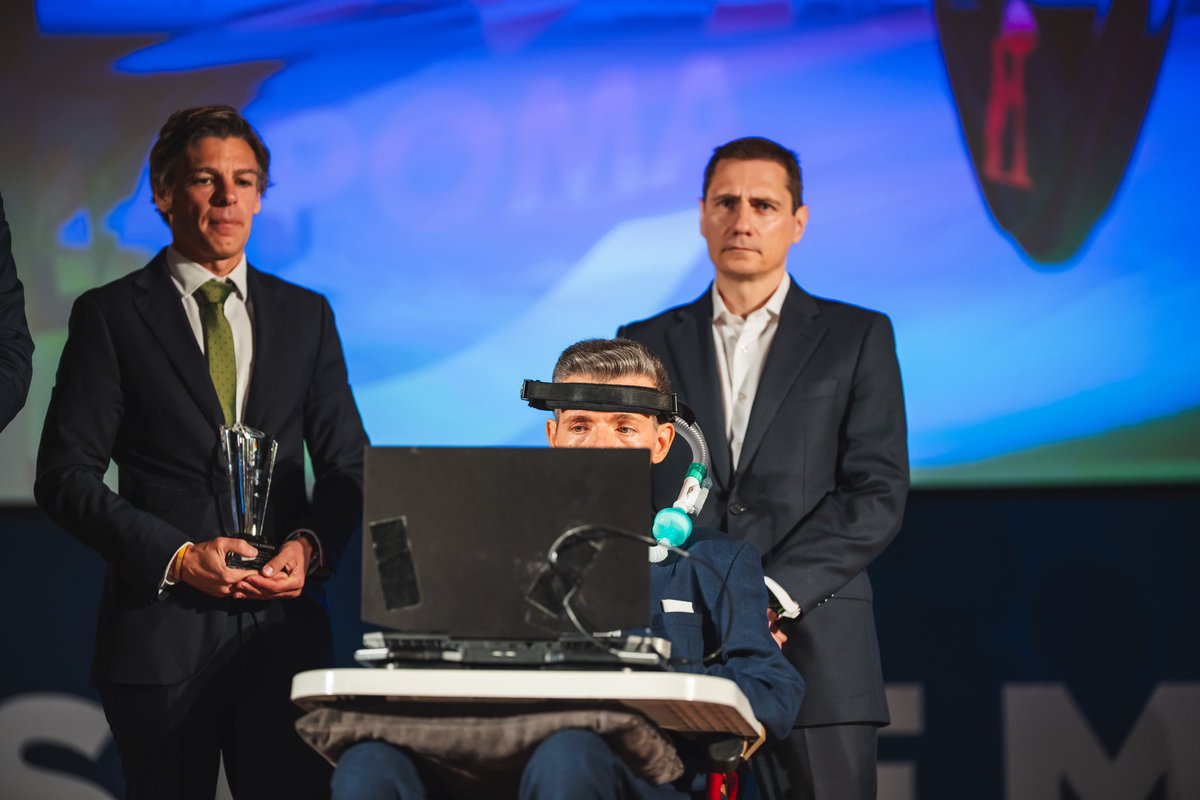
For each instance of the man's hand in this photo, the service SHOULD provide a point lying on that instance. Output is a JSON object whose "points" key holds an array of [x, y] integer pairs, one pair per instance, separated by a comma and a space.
{"points": [[281, 577], [776, 632], [204, 568]]}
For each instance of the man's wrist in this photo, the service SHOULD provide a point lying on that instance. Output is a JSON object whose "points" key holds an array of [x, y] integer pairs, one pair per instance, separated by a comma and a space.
{"points": [[780, 600], [177, 563], [174, 567], [316, 556]]}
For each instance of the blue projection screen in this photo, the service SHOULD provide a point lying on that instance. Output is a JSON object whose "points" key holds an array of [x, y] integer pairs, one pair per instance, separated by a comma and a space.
{"points": [[475, 185]]}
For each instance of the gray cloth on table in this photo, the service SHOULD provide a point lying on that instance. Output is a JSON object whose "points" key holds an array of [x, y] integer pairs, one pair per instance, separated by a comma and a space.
{"points": [[465, 751]]}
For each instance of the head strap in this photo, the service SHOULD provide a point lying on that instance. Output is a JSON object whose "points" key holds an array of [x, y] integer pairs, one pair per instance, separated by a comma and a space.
{"points": [[604, 397]]}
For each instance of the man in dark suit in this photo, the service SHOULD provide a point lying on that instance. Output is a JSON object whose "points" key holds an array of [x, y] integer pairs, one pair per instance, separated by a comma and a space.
{"points": [[16, 346], [802, 402], [194, 658]]}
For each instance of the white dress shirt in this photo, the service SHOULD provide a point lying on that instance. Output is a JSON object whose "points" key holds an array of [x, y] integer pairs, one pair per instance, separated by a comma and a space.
{"points": [[189, 276], [742, 344]]}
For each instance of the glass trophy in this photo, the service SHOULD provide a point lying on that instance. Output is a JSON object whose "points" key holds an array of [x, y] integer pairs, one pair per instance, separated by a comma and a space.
{"points": [[250, 456]]}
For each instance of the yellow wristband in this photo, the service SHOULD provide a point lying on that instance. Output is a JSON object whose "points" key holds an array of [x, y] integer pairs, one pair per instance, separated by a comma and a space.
{"points": [[177, 564]]}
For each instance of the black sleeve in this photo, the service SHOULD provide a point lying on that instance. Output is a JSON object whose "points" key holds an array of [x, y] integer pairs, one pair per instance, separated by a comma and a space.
{"points": [[16, 345], [333, 432]]}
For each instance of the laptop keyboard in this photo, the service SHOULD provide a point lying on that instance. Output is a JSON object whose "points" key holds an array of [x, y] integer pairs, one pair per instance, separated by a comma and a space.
{"points": [[391, 649]]}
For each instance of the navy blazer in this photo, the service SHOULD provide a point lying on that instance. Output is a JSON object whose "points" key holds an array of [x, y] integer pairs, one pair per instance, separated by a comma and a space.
{"points": [[822, 480], [723, 583], [133, 387], [16, 345]]}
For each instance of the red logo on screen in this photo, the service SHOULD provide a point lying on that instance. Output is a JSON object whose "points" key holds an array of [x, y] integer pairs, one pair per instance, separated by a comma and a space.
{"points": [[1006, 139]]}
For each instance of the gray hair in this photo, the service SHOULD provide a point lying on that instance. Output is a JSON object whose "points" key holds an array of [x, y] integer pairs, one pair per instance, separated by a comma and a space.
{"points": [[610, 360]]}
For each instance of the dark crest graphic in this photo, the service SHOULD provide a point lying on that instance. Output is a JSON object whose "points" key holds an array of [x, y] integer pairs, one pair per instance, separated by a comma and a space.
{"points": [[1051, 97]]}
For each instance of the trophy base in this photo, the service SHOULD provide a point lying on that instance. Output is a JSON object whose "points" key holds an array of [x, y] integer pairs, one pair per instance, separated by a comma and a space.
{"points": [[266, 551]]}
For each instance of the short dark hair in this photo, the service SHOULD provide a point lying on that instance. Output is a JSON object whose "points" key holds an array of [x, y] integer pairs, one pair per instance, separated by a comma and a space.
{"points": [[610, 360], [756, 148], [189, 125]]}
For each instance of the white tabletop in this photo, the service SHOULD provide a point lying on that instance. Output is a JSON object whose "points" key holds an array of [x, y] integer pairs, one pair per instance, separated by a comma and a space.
{"points": [[676, 701]]}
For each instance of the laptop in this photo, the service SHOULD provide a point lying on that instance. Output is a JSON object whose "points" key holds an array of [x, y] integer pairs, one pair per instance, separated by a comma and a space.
{"points": [[455, 558]]}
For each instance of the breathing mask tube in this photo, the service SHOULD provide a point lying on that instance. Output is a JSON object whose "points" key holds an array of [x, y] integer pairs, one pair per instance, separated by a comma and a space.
{"points": [[673, 525]]}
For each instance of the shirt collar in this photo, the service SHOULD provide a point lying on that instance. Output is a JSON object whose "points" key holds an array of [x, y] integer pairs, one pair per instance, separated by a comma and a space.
{"points": [[773, 306], [188, 276]]}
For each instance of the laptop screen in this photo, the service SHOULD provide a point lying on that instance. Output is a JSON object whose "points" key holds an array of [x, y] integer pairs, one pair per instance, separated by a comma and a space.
{"points": [[455, 539]]}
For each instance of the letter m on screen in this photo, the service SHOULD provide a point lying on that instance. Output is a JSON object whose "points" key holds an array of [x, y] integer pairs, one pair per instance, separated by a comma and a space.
{"points": [[1049, 746]]}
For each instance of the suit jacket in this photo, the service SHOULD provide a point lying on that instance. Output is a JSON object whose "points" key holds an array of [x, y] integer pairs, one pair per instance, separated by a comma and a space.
{"points": [[821, 483], [722, 582], [133, 386], [16, 346]]}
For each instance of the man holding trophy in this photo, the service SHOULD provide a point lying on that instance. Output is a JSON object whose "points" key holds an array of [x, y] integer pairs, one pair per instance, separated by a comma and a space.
{"points": [[205, 380]]}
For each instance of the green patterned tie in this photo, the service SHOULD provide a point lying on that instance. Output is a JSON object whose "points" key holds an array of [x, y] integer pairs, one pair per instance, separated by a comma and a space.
{"points": [[218, 343]]}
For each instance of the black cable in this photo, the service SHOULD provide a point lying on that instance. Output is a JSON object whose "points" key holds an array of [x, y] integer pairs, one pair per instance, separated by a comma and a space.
{"points": [[594, 530]]}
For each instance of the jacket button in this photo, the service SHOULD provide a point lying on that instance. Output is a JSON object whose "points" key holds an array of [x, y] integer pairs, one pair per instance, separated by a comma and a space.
{"points": [[736, 508]]}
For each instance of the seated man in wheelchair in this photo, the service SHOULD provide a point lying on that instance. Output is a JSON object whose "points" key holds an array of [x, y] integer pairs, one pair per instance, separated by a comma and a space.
{"points": [[708, 602]]}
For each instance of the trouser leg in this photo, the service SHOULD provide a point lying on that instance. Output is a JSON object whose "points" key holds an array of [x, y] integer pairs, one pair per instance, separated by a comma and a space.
{"points": [[376, 770], [828, 762], [265, 759], [168, 740], [579, 765]]}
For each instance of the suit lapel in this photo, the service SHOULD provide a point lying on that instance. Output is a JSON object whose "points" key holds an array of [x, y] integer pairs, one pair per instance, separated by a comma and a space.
{"points": [[690, 341], [795, 341], [158, 303], [266, 344]]}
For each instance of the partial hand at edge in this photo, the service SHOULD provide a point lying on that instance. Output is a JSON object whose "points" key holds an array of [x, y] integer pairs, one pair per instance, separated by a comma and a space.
{"points": [[777, 633]]}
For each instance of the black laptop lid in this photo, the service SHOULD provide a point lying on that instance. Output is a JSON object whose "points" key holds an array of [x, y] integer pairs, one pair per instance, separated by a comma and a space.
{"points": [[454, 538]]}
